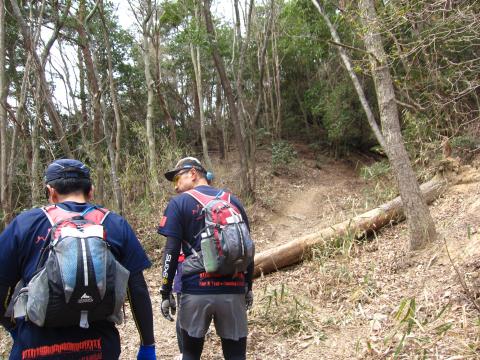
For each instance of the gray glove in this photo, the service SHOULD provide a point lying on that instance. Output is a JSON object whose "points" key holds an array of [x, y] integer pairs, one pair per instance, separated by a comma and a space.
{"points": [[249, 299], [168, 306]]}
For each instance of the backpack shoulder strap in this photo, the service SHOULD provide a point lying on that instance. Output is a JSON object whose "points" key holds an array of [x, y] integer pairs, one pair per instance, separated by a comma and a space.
{"points": [[55, 213], [96, 214], [205, 199], [224, 196], [200, 197]]}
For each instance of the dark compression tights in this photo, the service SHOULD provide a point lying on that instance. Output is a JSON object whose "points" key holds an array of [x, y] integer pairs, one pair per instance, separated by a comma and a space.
{"points": [[232, 350]]}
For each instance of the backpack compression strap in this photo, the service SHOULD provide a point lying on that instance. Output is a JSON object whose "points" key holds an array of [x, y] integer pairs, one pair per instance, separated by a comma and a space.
{"points": [[205, 199]]}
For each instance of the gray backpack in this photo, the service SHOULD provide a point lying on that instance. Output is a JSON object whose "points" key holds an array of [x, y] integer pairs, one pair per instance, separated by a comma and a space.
{"points": [[226, 245], [78, 280]]}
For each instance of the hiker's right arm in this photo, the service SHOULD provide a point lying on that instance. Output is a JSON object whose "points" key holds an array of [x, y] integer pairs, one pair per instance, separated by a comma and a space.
{"points": [[170, 263], [5, 297], [9, 260]]}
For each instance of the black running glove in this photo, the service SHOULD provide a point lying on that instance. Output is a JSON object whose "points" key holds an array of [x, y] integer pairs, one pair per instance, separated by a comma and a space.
{"points": [[168, 306]]}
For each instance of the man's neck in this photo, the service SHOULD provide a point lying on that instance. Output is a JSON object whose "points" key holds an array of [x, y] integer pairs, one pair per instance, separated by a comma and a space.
{"points": [[78, 198], [201, 182]]}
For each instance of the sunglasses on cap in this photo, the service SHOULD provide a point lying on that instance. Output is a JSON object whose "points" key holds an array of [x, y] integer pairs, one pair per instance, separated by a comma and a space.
{"points": [[180, 173]]}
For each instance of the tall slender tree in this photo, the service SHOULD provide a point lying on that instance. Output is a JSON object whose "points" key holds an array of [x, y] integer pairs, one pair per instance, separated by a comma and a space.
{"points": [[197, 69], [114, 154], [146, 26], [420, 222], [245, 185], [421, 226], [156, 38], [95, 94], [3, 109]]}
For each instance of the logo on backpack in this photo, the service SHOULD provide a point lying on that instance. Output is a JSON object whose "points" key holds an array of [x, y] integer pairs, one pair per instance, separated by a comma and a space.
{"points": [[78, 280], [226, 245], [85, 299]]}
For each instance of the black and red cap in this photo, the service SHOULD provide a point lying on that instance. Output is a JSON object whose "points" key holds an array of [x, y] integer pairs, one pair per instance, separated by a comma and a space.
{"points": [[185, 163]]}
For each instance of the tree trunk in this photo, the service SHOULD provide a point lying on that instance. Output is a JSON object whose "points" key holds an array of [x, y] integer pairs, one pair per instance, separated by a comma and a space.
{"points": [[158, 83], [219, 121], [84, 125], [195, 54], [113, 155], [117, 190], [240, 97], [245, 185], [299, 249], [278, 96], [270, 97], [3, 111], [197, 69], [152, 169], [77, 127], [260, 92], [35, 183], [420, 222], [96, 98]]}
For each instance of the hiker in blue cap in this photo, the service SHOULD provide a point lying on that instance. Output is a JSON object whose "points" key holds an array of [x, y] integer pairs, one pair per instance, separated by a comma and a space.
{"points": [[204, 296], [23, 245]]}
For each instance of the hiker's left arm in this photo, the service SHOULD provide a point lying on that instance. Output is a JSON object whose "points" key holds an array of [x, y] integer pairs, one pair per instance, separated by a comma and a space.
{"points": [[141, 308], [251, 267]]}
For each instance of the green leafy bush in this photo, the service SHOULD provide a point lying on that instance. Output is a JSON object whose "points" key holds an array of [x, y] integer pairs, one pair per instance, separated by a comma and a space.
{"points": [[283, 154]]}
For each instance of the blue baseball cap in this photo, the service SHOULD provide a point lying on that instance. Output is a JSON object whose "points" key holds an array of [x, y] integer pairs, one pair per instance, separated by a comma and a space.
{"points": [[65, 169]]}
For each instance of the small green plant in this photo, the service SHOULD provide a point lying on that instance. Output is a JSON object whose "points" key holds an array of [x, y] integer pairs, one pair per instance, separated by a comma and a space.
{"points": [[376, 170], [465, 142], [381, 185], [283, 312], [420, 326], [339, 245], [283, 154]]}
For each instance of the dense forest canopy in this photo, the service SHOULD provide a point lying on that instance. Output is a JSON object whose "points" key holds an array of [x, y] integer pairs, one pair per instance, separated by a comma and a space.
{"points": [[185, 79]]}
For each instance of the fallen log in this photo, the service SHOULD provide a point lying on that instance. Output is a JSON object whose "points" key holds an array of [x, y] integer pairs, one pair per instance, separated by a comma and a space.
{"points": [[296, 250]]}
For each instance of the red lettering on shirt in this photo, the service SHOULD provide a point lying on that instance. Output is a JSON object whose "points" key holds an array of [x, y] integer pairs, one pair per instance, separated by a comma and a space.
{"points": [[63, 348], [163, 221]]}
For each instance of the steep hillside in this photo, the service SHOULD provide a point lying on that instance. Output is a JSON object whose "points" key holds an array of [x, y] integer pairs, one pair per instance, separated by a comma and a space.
{"points": [[354, 299]]}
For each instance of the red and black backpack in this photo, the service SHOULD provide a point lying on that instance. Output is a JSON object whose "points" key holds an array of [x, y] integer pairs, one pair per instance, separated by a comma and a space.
{"points": [[226, 244]]}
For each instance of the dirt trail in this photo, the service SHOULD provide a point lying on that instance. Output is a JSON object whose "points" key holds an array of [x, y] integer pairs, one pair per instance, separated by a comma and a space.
{"points": [[306, 203]]}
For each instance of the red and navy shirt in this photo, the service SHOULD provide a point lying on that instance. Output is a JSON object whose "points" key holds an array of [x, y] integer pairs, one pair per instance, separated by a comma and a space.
{"points": [[184, 220]]}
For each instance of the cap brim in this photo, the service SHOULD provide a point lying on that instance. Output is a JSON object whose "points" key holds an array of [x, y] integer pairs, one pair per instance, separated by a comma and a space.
{"points": [[169, 175]]}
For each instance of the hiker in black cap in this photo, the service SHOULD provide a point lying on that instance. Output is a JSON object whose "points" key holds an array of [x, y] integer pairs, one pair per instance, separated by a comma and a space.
{"points": [[205, 296], [69, 189]]}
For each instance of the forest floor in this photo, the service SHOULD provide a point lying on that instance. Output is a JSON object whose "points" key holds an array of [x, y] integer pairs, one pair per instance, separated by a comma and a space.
{"points": [[368, 299], [355, 299]]}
